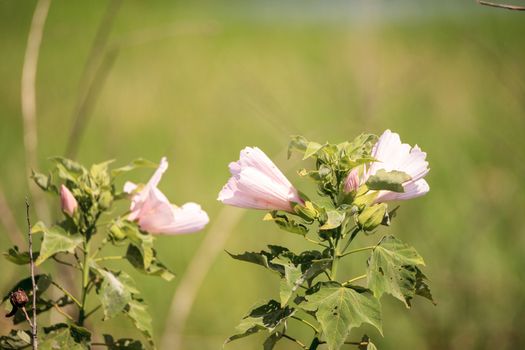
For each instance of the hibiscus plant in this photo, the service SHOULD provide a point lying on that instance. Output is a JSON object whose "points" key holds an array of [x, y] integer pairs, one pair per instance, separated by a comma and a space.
{"points": [[355, 182], [91, 223]]}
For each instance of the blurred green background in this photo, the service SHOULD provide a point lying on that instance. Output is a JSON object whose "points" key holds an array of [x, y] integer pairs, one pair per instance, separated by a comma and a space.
{"points": [[198, 81]]}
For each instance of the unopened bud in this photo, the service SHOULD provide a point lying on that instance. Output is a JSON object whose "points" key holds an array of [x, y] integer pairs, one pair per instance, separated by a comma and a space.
{"points": [[67, 200], [372, 216]]}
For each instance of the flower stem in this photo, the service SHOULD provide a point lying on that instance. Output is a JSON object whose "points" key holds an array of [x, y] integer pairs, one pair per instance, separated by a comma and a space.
{"points": [[295, 341], [357, 250], [354, 279], [105, 258], [70, 296], [306, 323], [85, 282]]}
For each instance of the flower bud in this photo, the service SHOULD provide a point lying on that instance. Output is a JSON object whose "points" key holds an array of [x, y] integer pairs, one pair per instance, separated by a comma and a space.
{"points": [[67, 200], [352, 181], [372, 216], [105, 200]]}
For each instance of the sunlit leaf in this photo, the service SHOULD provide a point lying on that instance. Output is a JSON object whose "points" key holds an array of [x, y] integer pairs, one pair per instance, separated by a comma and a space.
{"points": [[388, 180], [56, 240], [339, 309], [135, 164], [392, 269]]}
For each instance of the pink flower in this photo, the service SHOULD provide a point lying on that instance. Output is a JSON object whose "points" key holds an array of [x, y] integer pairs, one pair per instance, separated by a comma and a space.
{"points": [[258, 184], [155, 214], [394, 155], [67, 201]]}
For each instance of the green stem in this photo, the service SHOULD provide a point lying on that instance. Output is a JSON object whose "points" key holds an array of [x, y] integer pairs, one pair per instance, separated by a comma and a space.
{"points": [[354, 279], [335, 259], [109, 258], [85, 283], [295, 341], [351, 238], [306, 323], [70, 296], [357, 250]]}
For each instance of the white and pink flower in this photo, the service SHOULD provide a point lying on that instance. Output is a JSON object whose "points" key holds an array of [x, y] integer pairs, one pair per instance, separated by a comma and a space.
{"points": [[67, 201], [155, 214], [257, 183], [391, 154]]}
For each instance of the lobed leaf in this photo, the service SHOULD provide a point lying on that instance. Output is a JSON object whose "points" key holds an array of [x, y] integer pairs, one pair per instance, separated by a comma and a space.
{"points": [[339, 309], [56, 240], [17, 257], [392, 269], [263, 317]]}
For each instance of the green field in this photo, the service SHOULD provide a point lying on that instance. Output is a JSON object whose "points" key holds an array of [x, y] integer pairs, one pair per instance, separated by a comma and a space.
{"points": [[197, 82]]}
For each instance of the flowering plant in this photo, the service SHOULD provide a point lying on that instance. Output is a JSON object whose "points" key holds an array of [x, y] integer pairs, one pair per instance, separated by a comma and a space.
{"points": [[355, 182], [78, 240]]}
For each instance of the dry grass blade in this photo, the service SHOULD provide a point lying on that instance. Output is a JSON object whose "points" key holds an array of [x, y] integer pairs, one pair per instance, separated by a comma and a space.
{"points": [[503, 6], [28, 99]]}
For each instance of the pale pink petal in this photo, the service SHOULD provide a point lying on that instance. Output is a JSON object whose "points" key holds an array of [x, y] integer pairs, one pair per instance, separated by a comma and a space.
{"points": [[392, 154], [186, 219], [412, 190], [129, 187], [258, 184], [154, 212], [67, 201]]}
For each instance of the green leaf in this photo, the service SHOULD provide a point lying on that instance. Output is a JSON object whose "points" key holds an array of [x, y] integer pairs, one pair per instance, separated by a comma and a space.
{"points": [[155, 268], [311, 149], [42, 281], [64, 336], [388, 181], [44, 182], [56, 240], [16, 339], [137, 311], [67, 169], [113, 293], [422, 289], [334, 219], [392, 269], [272, 340], [17, 257], [122, 344], [339, 309], [263, 317], [298, 143], [286, 223], [135, 164], [292, 279], [124, 229]]}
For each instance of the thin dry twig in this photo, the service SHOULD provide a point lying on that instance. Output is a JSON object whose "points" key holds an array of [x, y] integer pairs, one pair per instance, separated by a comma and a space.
{"points": [[95, 71], [34, 331], [28, 99], [503, 6]]}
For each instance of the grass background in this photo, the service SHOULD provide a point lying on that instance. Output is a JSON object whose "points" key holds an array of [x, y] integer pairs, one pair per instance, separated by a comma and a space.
{"points": [[213, 77]]}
